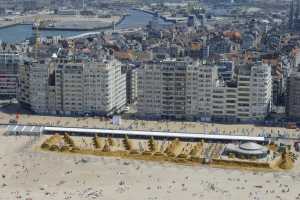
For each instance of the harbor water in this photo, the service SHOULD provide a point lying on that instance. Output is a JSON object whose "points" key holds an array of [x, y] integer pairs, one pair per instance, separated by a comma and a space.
{"points": [[19, 33]]}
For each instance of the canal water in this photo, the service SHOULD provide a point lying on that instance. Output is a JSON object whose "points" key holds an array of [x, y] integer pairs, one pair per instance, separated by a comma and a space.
{"points": [[19, 33]]}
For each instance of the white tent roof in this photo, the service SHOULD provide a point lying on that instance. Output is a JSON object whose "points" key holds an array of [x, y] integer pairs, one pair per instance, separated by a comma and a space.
{"points": [[35, 130], [21, 129], [89, 131]]}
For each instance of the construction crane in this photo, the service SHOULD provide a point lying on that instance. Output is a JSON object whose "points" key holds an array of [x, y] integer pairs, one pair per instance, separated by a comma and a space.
{"points": [[37, 36], [72, 48]]}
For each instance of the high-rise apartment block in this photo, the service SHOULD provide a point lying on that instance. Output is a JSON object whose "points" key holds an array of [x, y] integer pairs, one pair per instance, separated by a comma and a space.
{"points": [[293, 97], [175, 89], [192, 90], [9, 66], [254, 91], [73, 88], [248, 98]]}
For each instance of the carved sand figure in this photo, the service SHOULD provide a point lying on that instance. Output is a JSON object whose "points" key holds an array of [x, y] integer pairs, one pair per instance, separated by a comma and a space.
{"points": [[97, 143], [127, 143], [286, 160], [152, 145], [106, 147], [182, 156], [55, 139], [54, 148], [174, 148], [111, 141], [196, 150], [68, 140]]}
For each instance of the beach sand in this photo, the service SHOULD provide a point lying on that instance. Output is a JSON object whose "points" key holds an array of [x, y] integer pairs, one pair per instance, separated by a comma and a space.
{"points": [[30, 174]]}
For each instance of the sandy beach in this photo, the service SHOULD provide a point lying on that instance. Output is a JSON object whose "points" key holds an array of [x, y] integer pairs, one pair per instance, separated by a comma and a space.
{"points": [[30, 174]]}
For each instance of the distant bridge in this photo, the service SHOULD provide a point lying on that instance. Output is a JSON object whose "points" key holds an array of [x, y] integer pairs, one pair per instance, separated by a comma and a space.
{"points": [[98, 32]]}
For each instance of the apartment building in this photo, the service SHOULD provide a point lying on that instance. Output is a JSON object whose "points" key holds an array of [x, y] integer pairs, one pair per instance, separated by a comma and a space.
{"points": [[293, 97], [131, 82], [32, 87], [201, 79], [261, 90], [8, 4], [226, 69], [192, 90], [224, 102], [175, 89], [248, 98], [105, 87], [73, 88], [69, 88], [38, 82], [9, 66], [244, 92], [33, 90]]}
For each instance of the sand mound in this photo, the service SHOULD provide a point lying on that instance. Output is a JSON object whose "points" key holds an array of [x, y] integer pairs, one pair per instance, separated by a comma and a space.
{"points": [[286, 161]]}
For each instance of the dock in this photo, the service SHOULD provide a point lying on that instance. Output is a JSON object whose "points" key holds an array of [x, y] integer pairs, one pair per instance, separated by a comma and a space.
{"points": [[63, 23]]}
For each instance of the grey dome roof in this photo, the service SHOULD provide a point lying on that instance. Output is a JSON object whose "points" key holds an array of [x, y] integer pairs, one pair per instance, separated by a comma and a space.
{"points": [[250, 146]]}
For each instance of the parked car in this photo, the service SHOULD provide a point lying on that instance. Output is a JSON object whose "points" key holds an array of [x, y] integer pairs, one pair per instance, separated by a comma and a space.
{"points": [[13, 121]]}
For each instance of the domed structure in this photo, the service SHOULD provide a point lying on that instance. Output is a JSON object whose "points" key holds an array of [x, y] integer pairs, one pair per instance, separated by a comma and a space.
{"points": [[246, 150], [250, 146]]}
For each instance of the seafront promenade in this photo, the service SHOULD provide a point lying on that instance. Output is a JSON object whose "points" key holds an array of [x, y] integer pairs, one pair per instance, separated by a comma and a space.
{"points": [[145, 125]]}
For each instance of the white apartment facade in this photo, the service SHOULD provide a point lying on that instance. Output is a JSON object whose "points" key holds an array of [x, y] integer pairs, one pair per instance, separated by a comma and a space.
{"points": [[249, 99], [175, 89], [69, 88], [38, 82], [9, 66], [32, 86], [224, 103], [104, 87], [191, 90], [261, 90], [73, 88], [201, 79]]}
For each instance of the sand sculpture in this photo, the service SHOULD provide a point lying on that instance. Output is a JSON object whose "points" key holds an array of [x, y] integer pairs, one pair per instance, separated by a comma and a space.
{"points": [[97, 142], [127, 143], [287, 160], [172, 151], [68, 140]]}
